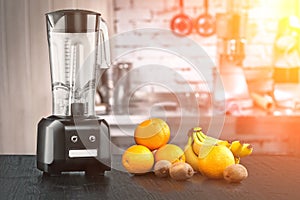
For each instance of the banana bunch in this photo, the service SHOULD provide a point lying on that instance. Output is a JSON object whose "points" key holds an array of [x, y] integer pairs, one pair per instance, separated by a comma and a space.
{"points": [[198, 141], [201, 139]]}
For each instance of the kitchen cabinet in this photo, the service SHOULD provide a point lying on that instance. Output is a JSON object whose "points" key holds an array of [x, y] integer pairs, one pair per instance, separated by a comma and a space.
{"points": [[270, 177], [24, 68]]}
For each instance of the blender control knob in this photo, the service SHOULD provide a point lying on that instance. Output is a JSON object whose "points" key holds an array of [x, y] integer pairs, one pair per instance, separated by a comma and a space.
{"points": [[74, 138], [92, 138]]}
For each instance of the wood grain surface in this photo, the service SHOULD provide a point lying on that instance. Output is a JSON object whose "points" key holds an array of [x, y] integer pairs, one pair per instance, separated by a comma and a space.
{"points": [[270, 177]]}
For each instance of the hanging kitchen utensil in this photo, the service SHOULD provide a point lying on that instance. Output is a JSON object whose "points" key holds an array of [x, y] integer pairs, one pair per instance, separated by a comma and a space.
{"points": [[205, 23], [181, 24]]}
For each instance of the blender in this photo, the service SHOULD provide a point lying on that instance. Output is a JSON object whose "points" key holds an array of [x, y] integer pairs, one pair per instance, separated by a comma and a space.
{"points": [[73, 138]]}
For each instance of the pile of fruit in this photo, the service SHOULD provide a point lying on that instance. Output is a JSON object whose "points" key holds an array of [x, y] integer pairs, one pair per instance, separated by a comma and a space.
{"points": [[209, 156], [152, 152], [216, 158]]}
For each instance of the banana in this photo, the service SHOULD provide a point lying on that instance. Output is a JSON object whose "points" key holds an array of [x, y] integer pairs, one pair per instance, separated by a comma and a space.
{"points": [[197, 144], [202, 148], [204, 137], [190, 156], [236, 148], [208, 139], [195, 137], [240, 150], [246, 150], [200, 136]]}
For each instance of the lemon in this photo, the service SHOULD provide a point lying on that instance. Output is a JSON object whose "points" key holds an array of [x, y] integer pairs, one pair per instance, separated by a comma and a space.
{"points": [[152, 133], [213, 160], [170, 152], [138, 159]]}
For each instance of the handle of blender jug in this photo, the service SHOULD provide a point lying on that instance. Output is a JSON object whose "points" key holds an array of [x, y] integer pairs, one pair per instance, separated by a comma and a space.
{"points": [[105, 47]]}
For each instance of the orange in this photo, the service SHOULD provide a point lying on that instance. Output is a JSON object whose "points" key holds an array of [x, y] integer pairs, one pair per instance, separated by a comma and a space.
{"points": [[213, 160], [138, 159], [152, 133], [170, 152]]}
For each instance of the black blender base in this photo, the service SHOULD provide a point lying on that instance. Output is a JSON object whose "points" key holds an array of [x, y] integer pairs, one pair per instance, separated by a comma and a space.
{"points": [[66, 146]]}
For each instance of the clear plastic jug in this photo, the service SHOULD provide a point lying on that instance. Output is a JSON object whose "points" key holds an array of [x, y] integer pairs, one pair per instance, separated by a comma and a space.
{"points": [[78, 48]]}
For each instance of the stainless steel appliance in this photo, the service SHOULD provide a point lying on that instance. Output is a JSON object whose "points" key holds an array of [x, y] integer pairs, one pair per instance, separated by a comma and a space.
{"points": [[74, 138], [230, 28], [114, 86]]}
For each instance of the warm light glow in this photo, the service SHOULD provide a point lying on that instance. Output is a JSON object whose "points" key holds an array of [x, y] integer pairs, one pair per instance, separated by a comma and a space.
{"points": [[286, 56], [294, 22]]}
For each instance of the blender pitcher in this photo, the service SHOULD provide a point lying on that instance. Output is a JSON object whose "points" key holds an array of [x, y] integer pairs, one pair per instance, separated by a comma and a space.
{"points": [[77, 47], [73, 138]]}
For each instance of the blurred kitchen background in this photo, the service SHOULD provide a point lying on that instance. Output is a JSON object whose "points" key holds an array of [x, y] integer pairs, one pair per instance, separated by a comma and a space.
{"points": [[253, 44]]}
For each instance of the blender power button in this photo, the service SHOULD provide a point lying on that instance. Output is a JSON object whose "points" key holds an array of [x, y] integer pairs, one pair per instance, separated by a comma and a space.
{"points": [[92, 138], [74, 138]]}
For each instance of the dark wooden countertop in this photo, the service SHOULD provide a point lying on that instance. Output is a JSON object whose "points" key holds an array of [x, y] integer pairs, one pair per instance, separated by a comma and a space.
{"points": [[270, 177]]}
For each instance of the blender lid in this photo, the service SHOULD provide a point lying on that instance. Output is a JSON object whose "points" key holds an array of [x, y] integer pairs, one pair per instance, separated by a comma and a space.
{"points": [[73, 21]]}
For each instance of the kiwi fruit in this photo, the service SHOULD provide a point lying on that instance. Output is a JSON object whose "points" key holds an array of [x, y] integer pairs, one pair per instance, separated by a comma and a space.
{"points": [[161, 168], [235, 173], [181, 171]]}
